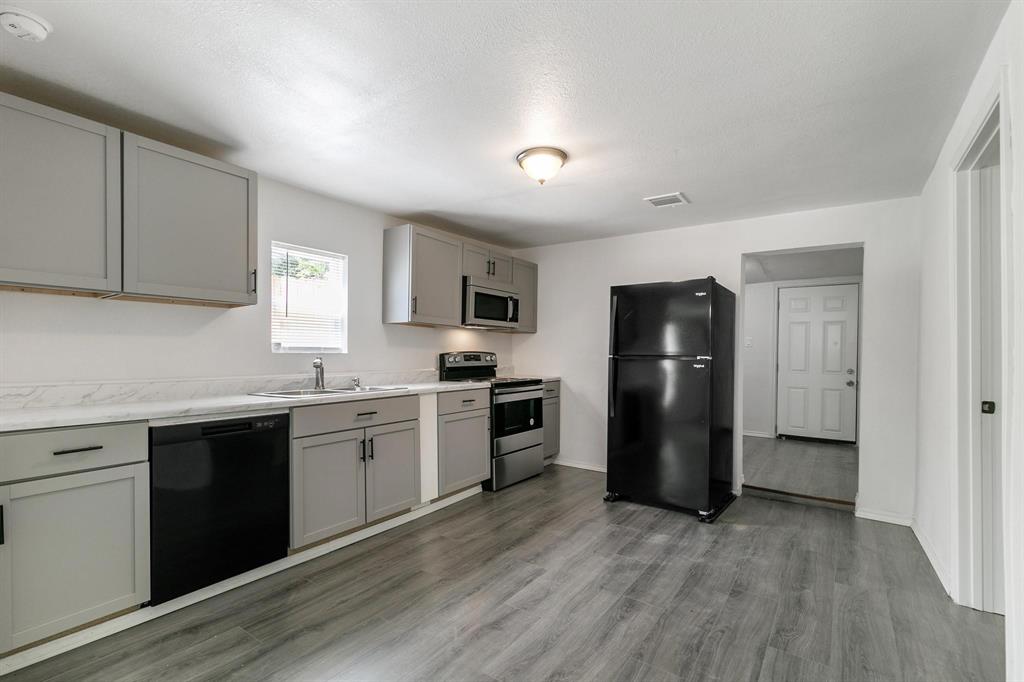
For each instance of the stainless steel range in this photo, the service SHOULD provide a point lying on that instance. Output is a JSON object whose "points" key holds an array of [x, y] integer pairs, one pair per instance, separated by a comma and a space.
{"points": [[517, 412]]}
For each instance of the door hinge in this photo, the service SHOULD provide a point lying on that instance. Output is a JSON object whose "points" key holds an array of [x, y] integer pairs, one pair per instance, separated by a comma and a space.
{"points": [[988, 407]]}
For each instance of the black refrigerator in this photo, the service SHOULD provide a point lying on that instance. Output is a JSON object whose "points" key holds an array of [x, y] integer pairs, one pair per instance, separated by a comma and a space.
{"points": [[670, 395]]}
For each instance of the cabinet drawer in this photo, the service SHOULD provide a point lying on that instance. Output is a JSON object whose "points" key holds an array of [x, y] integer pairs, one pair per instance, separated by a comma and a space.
{"points": [[461, 401], [314, 419], [38, 454], [552, 389]]}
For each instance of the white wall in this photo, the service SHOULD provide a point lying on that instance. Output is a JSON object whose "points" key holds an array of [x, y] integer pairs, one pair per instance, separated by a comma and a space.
{"points": [[45, 338], [758, 359], [573, 324], [937, 512]]}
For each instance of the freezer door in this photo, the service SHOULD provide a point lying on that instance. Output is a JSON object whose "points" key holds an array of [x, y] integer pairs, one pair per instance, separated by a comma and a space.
{"points": [[658, 430], [666, 318]]}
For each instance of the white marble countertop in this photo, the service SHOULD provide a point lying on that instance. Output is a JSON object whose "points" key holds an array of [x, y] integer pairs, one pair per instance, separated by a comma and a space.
{"points": [[217, 407]]}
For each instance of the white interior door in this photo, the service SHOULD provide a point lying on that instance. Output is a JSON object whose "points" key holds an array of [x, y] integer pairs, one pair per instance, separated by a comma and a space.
{"points": [[817, 359], [990, 354]]}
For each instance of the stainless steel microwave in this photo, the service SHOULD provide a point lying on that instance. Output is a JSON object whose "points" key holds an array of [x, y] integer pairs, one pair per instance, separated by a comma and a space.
{"points": [[486, 303]]}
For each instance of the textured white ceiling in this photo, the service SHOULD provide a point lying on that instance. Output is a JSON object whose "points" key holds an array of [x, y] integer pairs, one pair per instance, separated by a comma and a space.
{"points": [[418, 109], [781, 267]]}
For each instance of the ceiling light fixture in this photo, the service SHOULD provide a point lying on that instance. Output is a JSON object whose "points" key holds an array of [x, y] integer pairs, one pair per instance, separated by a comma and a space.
{"points": [[24, 24], [542, 163]]}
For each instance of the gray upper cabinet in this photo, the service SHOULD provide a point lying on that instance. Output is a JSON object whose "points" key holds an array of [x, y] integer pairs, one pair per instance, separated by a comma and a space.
{"points": [[464, 449], [392, 469], [327, 485], [524, 276], [483, 262], [476, 261], [189, 225], [75, 549], [422, 277], [60, 193], [501, 267]]}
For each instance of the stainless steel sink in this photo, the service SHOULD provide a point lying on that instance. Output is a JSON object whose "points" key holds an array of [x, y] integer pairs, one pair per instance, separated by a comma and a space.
{"points": [[302, 393], [316, 392]]}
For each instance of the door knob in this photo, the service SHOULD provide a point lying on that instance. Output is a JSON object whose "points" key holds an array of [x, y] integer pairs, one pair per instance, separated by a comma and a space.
{"points": [[851, 384], [849, 371]]}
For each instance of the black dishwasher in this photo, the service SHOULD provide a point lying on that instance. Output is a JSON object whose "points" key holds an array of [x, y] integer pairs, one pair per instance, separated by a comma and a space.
{"points": [[218, 501]]}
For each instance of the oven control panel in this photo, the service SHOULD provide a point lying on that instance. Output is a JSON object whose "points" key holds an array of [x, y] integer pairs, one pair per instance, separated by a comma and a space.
{"points": [[467, 365], [470, 358]]}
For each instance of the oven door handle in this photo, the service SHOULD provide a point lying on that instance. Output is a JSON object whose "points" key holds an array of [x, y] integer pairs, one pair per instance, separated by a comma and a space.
{"points": [[517, 395]]}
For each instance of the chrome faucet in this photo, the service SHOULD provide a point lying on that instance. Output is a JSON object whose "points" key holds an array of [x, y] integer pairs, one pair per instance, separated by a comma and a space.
{"points": [[318, 372], [355, 382]]}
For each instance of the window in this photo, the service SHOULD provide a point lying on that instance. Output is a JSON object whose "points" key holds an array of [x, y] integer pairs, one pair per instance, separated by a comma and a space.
{"points": [[309, 300]]}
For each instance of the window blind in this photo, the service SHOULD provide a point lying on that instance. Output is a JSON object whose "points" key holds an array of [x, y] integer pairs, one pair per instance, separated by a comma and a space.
{"points": [[309, 300]]}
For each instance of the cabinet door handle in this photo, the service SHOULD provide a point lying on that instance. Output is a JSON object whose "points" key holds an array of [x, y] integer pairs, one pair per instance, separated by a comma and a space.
{"points": [[366, 414], [88, 448], [2, 538], [371, 448], [414, 305], [253, 275], [362, 450]]}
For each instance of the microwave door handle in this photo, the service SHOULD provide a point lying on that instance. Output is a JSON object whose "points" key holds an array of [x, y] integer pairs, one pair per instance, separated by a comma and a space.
{"points": [[508, 315]]}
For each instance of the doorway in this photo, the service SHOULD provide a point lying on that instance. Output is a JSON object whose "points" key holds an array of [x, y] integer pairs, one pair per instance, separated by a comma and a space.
{"points": [[980, 285], [801, 368]]}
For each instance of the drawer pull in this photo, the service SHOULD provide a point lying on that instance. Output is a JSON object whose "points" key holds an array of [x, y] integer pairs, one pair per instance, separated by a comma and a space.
{"points": [[469, 401], [72, 451], [366, 414]]}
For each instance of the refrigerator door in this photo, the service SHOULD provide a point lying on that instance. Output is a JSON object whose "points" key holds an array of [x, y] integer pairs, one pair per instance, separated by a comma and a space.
{"points": [[659, 431], [662, 319]]}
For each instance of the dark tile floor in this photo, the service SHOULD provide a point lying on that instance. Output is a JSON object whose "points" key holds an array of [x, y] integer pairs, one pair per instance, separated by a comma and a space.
{"points": [[545, 581]]}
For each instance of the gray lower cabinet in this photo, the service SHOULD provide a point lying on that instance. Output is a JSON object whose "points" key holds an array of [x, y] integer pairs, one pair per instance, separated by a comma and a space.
{"points": [[464, 449], [74, 548], [552, 426], [392, 469], [189, 225], [347, 479], [60, 193], [328, 489], [422, 277]]}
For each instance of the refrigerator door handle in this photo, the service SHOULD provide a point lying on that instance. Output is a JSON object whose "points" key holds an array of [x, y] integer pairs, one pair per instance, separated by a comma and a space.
{"points": [[611, 389], [614, 325]]}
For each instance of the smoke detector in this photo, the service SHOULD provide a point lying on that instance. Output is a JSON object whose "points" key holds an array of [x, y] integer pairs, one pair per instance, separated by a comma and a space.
{"points": [[24, 24], [674, 199]]}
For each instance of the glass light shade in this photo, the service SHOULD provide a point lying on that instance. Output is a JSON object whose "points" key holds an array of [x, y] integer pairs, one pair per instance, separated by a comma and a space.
{"points": [[542, 163]]}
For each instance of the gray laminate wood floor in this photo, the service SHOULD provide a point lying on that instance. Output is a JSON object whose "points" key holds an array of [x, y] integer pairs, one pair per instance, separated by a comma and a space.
{"points": [[801, 467], [545, 581]]}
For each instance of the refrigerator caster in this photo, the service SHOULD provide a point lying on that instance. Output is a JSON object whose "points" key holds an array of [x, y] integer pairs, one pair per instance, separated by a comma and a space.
{"points": [[712, 514], [611, 497]]}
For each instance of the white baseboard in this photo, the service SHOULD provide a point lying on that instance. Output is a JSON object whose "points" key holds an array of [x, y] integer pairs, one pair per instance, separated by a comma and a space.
{"points": [[933, 557], [884, 517], [759, 434], [576, 464], [101, 630]]}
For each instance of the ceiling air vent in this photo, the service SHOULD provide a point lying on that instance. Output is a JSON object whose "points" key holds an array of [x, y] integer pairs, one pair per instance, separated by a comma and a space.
{"points": [[674, 199]]}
